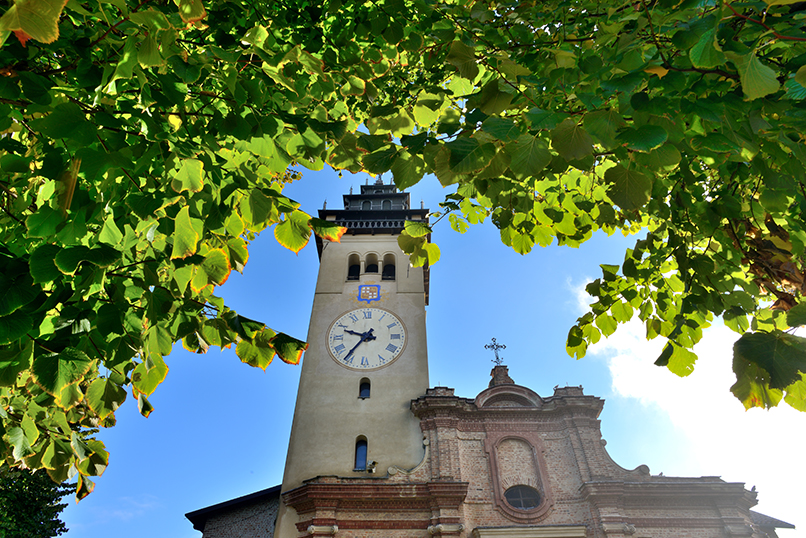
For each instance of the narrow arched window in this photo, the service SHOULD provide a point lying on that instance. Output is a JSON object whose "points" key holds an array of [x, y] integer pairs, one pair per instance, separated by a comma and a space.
{"points": [[363, 389], [372, 263], [388, 267], [366, 205], [361, 454], [353, 267], [387, 204]]}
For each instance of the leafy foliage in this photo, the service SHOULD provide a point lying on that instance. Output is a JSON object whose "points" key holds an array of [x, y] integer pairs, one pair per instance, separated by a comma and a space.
{"points": [[144, 148], [29, 504]]}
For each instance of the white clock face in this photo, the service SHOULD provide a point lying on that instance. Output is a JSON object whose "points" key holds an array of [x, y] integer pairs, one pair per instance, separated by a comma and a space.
{"points": [[366, 338]]}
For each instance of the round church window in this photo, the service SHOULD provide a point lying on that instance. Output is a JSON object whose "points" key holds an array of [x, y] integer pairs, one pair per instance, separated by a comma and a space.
{"points": [[522, 497]]}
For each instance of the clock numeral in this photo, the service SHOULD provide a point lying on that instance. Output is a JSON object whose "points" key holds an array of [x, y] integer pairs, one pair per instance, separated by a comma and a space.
{"points": [[391, 325], [343, 326], [395, 336], [338, 337], [391, 348], [367, 314], [364, 361], [383, 361], [348, 359], [353, 317], [383, 316], [339, 349]]}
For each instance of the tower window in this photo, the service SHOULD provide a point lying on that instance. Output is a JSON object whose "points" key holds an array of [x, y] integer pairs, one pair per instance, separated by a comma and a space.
{"points": [[363, 389], [388, 267], [371, 263], [360, 454], [366, 205], [522, 497], [353, 267], [387, 204]]}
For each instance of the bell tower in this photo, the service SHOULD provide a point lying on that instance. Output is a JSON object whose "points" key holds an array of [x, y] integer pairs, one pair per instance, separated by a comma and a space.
{"points": [[367, 357]]}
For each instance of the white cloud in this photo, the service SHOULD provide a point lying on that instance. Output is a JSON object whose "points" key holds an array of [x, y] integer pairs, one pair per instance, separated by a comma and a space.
{"points": [[716, 435]]}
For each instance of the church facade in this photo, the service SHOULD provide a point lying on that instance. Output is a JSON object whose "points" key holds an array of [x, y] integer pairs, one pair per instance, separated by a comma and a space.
{"points": [[377, 453]]}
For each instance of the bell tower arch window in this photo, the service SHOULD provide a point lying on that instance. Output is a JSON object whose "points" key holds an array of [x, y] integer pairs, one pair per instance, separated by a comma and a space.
{"points": [[353, 267], [387, 204], [388, 267], [371, 263], [366, 205]]}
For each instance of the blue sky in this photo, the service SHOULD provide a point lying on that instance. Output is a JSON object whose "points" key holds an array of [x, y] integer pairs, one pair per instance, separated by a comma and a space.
{"points": [[220, 428]]}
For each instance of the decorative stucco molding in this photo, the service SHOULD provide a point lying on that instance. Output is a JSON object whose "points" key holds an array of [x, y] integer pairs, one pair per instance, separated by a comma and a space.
{"points": [[444, 528], [542, 531], [315, 530]]}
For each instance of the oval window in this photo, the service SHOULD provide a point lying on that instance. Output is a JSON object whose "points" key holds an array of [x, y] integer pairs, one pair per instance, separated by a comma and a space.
{"points": [[522, 497]]}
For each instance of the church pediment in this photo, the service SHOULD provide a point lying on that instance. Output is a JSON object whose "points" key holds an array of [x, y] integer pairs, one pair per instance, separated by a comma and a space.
{"points": [[508, 396]]}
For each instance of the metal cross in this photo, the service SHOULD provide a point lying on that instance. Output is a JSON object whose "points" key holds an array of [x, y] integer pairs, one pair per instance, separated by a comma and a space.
{"points": [[495, 347]]}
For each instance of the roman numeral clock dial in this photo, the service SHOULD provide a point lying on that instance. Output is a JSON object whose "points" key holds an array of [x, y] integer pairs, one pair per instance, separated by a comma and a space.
{"points": [[366, 339]]}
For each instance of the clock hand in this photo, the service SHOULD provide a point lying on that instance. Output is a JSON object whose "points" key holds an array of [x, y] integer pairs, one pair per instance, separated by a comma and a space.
{"points": [[364, 337], [353, 332]]}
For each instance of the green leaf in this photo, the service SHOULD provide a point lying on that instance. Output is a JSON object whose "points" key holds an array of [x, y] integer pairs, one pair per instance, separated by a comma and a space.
{"points": [[503, 129], [417, 228], [468, 155], [628, 189], [37, 19], [191, 10], [796, 315], [288, 348], [190, 176], [781, 355], [43, 222], [258, 351], [529, 156], [327, 229], [55, 372], [216, 266], [380, 161], [492, 100], [293, 232], [15, 292], [149, 374], [104, 397], [185, 236], [800, 75], [18, 440], [707, 53], [757, 79], [464, 59], [752, 385], [407, 170], [571, 141], [68, 259], [14, 326], [644, 138], [15, 359], [603, 126]]}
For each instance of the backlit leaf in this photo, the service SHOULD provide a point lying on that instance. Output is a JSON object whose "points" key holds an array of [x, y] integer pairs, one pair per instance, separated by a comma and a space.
{"points": [[288, 348], [190, 176], [293, 232], [781, 355], [407, 170], [571, 141], [463, 58], [529, 156], [327, 229], [105, 396], [185, 236], [55, 372], [644, 138], [258, 351], [468, 155], [758, 80], [37, 19], [149, 374], [629, 189]]}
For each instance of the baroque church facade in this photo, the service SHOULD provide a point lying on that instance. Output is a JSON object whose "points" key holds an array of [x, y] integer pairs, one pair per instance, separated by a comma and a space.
{"points": [[376, 453]]}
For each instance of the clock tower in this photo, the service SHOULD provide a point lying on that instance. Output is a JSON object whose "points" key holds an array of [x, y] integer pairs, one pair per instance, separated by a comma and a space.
{"points": [[367, 357]]}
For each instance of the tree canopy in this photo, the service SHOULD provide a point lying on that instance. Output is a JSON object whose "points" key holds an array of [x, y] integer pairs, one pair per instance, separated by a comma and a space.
{"points": [[145, 143], [29, 504]]}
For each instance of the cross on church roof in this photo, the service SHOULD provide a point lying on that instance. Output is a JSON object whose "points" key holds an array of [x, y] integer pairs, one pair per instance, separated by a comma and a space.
{"points": [[495, 346]]}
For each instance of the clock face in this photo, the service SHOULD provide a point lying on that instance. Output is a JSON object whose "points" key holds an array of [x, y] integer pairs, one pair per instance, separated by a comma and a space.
{"points": [[366, 339]]}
